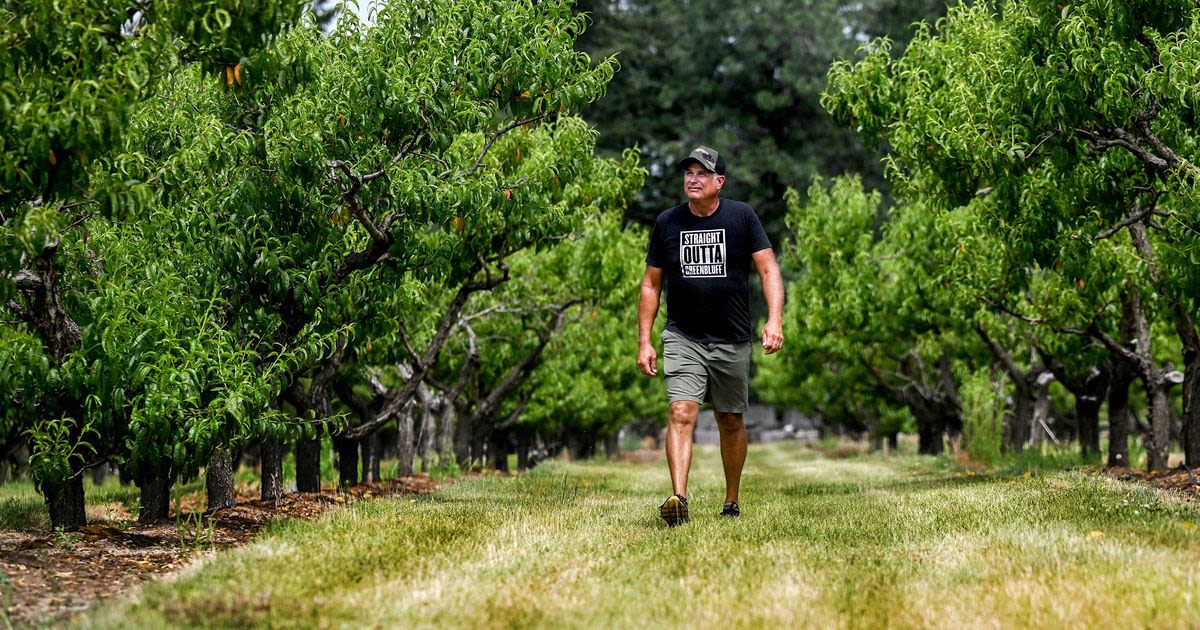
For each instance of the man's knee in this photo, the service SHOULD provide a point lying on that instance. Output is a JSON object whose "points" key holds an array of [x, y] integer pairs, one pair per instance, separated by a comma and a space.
{"points": [[730, 422], [683, 413]]}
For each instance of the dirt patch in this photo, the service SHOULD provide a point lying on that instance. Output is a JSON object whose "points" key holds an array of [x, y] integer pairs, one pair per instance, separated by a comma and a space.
{"points": [[1179, 481], [45, 577]]}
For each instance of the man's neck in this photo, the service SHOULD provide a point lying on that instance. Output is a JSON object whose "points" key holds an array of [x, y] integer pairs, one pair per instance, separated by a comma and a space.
{"points": [[703, 208]]}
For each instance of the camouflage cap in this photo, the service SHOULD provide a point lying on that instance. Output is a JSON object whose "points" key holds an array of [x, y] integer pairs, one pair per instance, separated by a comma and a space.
{"points": [[707, 157]]}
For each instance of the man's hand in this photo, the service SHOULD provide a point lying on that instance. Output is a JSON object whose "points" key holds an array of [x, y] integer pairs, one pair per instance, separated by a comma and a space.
{"points": [[647, 359], [772, 337]]}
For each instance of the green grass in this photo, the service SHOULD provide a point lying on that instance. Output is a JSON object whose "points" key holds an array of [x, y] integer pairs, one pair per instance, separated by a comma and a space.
{"points": [[22, 506], [865, 542]]}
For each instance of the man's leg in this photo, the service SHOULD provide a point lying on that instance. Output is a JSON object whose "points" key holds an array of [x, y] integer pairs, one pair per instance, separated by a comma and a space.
{"points": [[733, 451], [680, 427]]}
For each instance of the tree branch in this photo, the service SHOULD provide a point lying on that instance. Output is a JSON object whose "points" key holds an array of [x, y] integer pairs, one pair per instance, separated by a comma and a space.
{"points": [[496, 136]]}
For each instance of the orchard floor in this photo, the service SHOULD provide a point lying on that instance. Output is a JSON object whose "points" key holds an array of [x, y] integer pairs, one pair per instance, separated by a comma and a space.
{"points": [[865, 541], [50, 576], [55, 577]]}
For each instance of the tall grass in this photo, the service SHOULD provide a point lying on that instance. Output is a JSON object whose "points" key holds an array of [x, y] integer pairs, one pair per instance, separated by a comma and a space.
{"points": [[865, 542]]}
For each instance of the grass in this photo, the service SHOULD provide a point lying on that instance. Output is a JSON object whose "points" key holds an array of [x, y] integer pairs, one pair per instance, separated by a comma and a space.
{"points": [[862, 542], [22, 506]]}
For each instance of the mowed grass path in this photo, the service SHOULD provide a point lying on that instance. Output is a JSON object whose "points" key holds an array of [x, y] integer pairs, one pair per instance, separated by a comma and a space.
{"points": [[869, 542]]}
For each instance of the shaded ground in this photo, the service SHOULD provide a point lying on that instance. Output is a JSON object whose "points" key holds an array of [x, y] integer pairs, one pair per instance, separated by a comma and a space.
{"points": [[46, 577]]}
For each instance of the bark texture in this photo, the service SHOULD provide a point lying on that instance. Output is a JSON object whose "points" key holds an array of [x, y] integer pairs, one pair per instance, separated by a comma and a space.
{"points": [[308, 465], [271, 459], [218, 479], [66, 507], [155, 493]]}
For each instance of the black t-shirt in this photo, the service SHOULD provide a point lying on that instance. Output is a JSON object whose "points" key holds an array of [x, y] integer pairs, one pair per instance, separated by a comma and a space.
{"points": [[706, 265]]}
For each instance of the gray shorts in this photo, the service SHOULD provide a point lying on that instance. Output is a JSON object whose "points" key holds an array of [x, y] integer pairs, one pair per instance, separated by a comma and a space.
{"points": [[722, 369]]}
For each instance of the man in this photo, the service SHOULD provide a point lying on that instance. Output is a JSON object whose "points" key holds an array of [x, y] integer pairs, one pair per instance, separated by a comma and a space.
{"points": [[704, 250]]}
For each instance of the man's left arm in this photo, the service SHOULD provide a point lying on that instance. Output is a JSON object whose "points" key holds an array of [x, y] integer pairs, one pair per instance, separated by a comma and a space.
{"points": [[772, 285]]}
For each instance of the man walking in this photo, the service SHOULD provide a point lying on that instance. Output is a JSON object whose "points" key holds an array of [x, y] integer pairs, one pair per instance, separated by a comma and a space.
{"points": [[704, 249]]}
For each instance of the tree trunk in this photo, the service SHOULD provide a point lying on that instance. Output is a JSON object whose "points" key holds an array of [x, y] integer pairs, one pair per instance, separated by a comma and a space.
{"points": [[271, 456], [893, 442], [155, 495], [612, 445], [581, 445], [371, 448], [498, 449], [1016, 429], [218, 479], [406, 450], [1158, 442], [308, 465], [929, 438], [347, 451], [1190, 435], [1119, 420], [428, 429], [1087, 415], [66, 509], [1041, 408], [522, 454], [463, 440], [99, 473], [1089, 397], [476, 453], [447, 430]]}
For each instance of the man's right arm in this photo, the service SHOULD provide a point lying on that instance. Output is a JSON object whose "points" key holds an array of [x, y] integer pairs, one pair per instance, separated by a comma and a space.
{"points": [[647, 311]]}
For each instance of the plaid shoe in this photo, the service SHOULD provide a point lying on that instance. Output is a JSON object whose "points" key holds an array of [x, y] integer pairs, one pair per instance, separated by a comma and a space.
{"points": [[674, 510], [731, 510]]}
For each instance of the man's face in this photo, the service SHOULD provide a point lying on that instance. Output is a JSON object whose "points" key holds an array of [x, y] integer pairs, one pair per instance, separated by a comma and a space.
{"points": [[700, 183]]}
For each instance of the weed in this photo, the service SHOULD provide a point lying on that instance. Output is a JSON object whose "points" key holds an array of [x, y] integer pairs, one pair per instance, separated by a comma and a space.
{"points": [[194, 524], [64, 539]]}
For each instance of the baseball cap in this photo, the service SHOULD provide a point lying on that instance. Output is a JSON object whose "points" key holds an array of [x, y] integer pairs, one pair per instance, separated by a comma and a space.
{"points": [[707, 157]]}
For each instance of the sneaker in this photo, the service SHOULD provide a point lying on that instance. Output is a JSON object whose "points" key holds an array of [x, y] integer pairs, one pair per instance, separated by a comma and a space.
{"points": [[674, 510], [731, 510]]}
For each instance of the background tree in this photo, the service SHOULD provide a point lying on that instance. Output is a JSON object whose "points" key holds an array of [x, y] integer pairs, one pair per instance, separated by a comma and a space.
{"points": [[73, 71], [745, 78], [1073, 121], [347, 173], [872, 312]]}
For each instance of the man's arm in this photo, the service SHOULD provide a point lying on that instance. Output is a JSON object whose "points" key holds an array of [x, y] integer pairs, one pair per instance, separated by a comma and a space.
{"points": [[772, 285], [647, 311]]}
